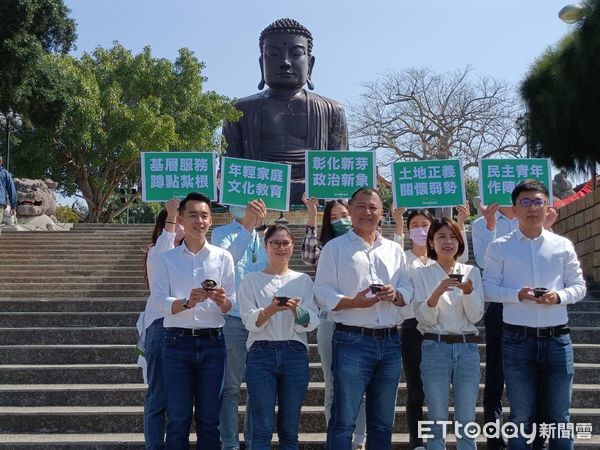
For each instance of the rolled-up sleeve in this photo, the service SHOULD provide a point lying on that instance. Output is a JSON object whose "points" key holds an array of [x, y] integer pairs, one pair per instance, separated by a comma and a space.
{"points": [[575, 288], [326, 281], [249, 309], [493, 275]]}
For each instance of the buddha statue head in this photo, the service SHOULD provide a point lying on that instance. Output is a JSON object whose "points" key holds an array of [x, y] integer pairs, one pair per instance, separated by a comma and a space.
{"points": [[286, 59]]}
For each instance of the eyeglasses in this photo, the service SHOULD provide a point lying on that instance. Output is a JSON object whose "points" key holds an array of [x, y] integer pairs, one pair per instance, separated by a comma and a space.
{"points": [[278, 244], [527, 202]]}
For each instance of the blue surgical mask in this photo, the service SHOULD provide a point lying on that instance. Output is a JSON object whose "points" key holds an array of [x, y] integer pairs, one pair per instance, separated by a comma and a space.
{"points": [[341, 226]]}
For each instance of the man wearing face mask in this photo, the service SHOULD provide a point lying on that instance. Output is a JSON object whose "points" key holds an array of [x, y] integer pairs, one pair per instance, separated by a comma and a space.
{"points": [[336, 222], [243, 238]]}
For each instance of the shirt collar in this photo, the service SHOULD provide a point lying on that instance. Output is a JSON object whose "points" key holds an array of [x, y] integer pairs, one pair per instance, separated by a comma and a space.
{"points": [[353, 237], [521, 236], [183, 249]]}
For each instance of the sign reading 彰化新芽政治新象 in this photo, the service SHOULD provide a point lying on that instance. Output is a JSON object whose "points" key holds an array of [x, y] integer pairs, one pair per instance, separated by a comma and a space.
{"points": [[243, 180], [428, 183], [167, 175], [338, 174], [498, 177]]}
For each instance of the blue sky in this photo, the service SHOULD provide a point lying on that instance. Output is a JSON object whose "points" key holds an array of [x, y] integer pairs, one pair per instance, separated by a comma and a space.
{"points": [[354, 41]]}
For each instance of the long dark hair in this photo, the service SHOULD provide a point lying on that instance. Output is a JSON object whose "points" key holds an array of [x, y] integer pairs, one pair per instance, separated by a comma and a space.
{"points": [[326, 230], [159, 226]]}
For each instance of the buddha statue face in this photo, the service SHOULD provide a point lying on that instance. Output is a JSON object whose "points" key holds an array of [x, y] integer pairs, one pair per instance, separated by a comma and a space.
{"points": [[285, 62]]}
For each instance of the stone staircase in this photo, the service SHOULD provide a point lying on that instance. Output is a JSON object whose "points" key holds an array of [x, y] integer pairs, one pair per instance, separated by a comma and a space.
{"points": [[68, 378]]}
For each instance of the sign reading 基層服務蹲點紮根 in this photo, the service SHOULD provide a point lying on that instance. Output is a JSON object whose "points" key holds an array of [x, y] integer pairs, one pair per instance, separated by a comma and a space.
{"points": [[498, 177], [167, 175], [428, 183], [243, 180], [338, 174]]}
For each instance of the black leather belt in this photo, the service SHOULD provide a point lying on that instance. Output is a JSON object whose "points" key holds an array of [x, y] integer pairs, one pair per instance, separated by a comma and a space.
{"points": [[538, 332], [454, 338], [376, 332], [198, 332]]}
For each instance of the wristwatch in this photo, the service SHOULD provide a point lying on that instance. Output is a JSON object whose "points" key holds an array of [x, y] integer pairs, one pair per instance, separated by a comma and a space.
{"points": [[261, 228], [184, 303]]}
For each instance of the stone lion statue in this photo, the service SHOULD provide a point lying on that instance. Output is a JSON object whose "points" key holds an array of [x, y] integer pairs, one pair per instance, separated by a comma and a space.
{"points": [[36, 205]]}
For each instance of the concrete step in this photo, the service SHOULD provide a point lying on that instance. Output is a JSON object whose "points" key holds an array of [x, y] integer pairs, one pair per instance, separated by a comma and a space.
{"points": [[67, 319], [135, 441], [107, 419], [125, 354], [57, 304], [131, 373], [74, 293], [124, 335], [117, 319], [584, 395]]}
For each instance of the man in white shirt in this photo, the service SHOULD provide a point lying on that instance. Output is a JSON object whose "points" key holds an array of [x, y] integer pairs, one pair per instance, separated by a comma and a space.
{"points": [[243, 239], [536, 346], [197, 284], [495, 222], [363, 282]]}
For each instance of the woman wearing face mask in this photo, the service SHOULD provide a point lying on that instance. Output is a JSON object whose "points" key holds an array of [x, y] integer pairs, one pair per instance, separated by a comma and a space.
{"points": [[418, 223], [448, 302], [278, 309], [166, 235], [336, 222]]}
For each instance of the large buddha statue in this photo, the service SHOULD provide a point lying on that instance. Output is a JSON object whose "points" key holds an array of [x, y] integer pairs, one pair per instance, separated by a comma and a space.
{"points": [[281, 122]]}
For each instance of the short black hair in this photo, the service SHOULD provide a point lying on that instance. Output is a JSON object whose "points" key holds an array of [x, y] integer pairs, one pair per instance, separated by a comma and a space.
{"points": [[278, 227], [419, 212], [528, 185], [369, 191], [435, 227], [289, 26], [194, 197]]}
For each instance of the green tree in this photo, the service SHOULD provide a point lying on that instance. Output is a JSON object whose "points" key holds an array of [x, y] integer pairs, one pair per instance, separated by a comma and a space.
{"points": [[118, 104], [30, 30], [562, 94]]}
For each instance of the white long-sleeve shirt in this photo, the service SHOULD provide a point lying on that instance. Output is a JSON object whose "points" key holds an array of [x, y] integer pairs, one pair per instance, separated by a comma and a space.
{"points": [[482, 237], [456, 312], [256, 293], [514, 261], [348, 265], [179, 271], [164, 243]]}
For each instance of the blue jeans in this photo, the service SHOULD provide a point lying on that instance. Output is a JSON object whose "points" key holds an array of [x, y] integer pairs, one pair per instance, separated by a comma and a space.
{"points": [[193, 369], [276, 371], [442, 365], [364, 364], [324, 335], [538, 366], [155, 404], [236, 336]]}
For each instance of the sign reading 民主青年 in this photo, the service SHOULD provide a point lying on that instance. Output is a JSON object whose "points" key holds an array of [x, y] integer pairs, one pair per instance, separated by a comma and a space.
{"points": [[243, 180], [167, 175], [428, 183], [338, 174], [498, 177]]}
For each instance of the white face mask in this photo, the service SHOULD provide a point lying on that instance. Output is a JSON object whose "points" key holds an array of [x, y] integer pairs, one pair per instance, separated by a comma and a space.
{"points": [[418, 235]]}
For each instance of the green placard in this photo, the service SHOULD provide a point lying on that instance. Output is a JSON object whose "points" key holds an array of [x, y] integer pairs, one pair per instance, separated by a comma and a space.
{"points": [[498, 177], [338, 174], [428, 184], [243, 180], [167, 175]]}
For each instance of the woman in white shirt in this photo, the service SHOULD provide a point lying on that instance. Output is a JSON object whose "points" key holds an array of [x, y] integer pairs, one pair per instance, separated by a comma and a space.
{"points": [[167, 233], [448, 302], [278, 309], [417, 223]]}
